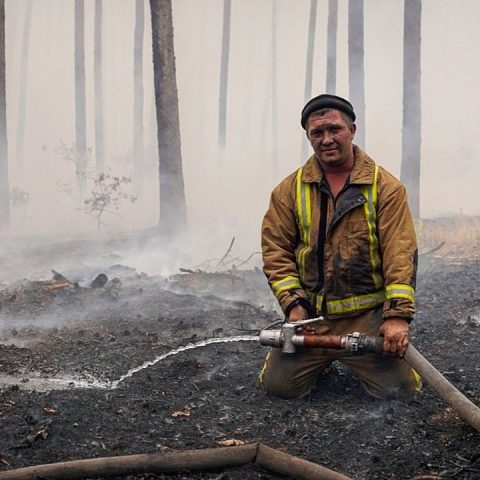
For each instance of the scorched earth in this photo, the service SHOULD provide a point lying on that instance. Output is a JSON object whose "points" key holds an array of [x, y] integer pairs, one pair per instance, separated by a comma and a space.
{"points": [[62, 346]]}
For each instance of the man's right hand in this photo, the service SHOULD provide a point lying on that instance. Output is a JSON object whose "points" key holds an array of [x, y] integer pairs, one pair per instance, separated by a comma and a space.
{"points": [[299, 313]]}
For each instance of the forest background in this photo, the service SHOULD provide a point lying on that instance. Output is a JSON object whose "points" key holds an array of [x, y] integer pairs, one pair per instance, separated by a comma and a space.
{"points": [[279, 53]]}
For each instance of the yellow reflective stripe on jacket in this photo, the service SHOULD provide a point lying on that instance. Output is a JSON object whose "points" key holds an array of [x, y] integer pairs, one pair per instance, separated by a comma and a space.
{"points": [[318, 302], [370, 207], [353, 304], [400, 290], [304, 211], [286, 283]]}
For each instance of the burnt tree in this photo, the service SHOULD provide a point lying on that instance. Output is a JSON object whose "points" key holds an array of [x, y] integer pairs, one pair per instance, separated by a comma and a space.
{"points": [[310, 49], [222, 100], [80, 103], [412, 108], [173, 209], [332, 25], [356, 71], [4, 184], [22, 102], [98, 86], [274, 88], [309, 65], [138, 154]]}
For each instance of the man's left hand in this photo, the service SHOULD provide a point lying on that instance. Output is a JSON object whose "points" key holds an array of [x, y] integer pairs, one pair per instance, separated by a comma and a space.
{"points": [[395, 336]]}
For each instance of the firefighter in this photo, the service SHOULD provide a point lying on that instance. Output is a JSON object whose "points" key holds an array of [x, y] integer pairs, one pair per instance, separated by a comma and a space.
{"points": [[338, 240]]}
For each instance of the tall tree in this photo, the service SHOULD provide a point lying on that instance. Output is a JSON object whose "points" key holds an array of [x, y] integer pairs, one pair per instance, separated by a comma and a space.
{"points": [[22, 103], [412, 107], [274, 87], [309, 65], [138, 146], [222, 101], [98, 86], [173, 210], [4, 184], [80, 105], [331, 84], [356, 66]]}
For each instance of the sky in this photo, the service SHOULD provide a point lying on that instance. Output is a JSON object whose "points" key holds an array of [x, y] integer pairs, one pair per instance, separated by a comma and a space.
{"points": [[228, 197]]}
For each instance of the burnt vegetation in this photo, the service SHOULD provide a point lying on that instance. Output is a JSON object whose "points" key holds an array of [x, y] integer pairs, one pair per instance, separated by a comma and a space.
{"points": [[76, 326]]}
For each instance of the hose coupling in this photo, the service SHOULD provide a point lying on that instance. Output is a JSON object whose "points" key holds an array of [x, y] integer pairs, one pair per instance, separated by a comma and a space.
{"points": [[357, 343]]}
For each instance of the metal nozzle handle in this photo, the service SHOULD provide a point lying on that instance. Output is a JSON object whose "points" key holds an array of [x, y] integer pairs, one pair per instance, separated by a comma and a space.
{"points": [[301, 323]]}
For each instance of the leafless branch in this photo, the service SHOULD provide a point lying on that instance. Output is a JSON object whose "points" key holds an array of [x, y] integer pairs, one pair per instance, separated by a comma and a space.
{"points": [[227, 252]]}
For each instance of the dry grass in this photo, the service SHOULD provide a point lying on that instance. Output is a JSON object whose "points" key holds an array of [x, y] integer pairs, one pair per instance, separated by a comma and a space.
{"points": [[450, 238]]}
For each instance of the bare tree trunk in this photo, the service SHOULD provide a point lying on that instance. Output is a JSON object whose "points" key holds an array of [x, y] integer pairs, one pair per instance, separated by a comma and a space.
{"points": [[356, 67], [274, 88], [98, 80], [80, 108], [173, 210], [412, 106], [4, 184], [331, 85], [138, 145], [22, 103], [222, 101], [309, 65]]}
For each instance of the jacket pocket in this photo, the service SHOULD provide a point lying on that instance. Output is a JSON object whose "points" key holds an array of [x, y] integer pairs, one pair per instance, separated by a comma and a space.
{"points": [[354, 241]]}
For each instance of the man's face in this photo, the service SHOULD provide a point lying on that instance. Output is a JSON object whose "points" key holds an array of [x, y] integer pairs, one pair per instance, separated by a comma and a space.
{"points": [[331, 139]]}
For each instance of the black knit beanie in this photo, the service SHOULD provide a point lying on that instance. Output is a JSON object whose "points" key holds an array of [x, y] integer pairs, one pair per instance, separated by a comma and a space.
{"points": [[326, 101]]}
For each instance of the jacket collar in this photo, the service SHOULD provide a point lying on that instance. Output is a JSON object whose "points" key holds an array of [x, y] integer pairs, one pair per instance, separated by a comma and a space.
{"points": [[362, 172]]}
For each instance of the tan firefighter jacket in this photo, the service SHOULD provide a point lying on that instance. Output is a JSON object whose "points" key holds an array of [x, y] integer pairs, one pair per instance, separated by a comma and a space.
{"points": [[369, 253]]}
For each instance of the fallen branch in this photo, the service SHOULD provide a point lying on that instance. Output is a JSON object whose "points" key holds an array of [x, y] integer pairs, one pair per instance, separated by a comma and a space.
{"points": [[55, 286], [188, 270], [248, 258]]}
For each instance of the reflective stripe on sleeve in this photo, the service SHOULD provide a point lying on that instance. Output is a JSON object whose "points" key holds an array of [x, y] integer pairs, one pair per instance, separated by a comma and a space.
{"points": [[352, 304], [286, 283], [399, 290]]}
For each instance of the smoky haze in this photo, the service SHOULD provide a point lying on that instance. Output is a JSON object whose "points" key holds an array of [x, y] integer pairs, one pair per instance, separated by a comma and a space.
{"points": [[227, 195]]}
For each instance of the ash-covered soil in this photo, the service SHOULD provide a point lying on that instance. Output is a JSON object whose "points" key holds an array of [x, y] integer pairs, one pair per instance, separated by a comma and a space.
{"points": [[205, 396]]}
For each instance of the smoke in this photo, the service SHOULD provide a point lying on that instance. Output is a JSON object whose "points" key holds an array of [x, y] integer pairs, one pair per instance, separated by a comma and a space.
{"points": [[227, 196]]}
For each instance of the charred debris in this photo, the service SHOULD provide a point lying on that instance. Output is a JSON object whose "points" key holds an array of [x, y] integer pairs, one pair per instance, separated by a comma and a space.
{"points": [[99, 327]]}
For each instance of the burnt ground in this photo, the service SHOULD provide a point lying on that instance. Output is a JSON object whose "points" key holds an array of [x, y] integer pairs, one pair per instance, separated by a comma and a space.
{"points": [[204, 396]]}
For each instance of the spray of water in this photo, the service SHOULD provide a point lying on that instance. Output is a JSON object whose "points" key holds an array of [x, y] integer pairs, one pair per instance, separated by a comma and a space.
{"points": [[36, 382], [190, 346]]}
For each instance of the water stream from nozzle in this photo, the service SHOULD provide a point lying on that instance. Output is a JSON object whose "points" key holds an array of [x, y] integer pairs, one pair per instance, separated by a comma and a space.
{"points": [[190, 346], [37, 382]]}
